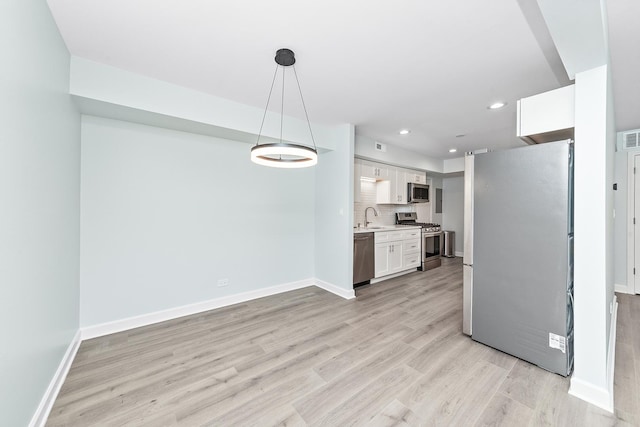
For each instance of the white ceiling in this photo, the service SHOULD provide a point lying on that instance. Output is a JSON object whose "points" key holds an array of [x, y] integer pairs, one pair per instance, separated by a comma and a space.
{"points": [[429, 66], [624, 49]]}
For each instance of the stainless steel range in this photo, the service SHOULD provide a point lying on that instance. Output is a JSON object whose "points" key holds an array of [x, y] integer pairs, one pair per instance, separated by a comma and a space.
{"points": [[431, 239]]}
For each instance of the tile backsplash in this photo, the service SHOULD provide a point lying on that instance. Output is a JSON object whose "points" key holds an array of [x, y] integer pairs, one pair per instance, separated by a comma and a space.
{"points": [[386, 213]]}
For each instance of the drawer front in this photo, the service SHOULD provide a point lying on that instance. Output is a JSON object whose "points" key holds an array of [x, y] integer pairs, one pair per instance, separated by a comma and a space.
{"points": [[411, 246], [412, 234], [412, 260], [388, 236], [381, 236]]}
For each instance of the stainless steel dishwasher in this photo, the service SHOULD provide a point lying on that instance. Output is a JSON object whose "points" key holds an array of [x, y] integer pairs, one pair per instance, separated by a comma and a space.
{"points": [[363, 257]]}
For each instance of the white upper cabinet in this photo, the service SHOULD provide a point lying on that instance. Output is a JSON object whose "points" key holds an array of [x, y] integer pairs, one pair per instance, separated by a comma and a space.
{"points": [[416, 177], [384, 193], [547, 117], [391, 181], [392, 191], [374, 170], [402, 190]]}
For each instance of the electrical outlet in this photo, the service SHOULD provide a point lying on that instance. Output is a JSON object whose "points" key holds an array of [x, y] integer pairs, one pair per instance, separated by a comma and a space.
{"points": [[223, 282]]}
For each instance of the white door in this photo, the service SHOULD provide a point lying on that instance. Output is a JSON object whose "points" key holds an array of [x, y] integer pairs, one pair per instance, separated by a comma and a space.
{"points": [[382, 259], [395, 257], [636, 220]]}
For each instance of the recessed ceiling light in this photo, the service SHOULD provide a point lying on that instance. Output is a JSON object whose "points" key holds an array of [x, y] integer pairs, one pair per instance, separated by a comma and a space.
{"points": [[404, 131], [496, 105], [453, 150]]}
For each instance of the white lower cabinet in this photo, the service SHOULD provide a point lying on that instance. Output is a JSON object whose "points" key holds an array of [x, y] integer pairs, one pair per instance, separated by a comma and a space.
{"points": [[388, 258], [396, 251], [382, 260], [411, 251], [412, 260]]}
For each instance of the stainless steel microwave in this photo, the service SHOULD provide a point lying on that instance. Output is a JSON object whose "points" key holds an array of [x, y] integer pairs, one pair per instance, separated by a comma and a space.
{"points": [[418, 193]]}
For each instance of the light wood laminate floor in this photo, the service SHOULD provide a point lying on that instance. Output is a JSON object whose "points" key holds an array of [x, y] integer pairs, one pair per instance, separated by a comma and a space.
{"points": [[393, 356]]}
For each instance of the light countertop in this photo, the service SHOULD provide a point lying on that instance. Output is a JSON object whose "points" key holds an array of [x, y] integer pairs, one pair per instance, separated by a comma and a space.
{"points": [[378, 228]]}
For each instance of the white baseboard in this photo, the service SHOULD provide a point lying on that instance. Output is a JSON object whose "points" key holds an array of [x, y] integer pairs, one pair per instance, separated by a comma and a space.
{"points": [[598, 396], [623, 289], [391, 276], [341, 292], [46, 403], [611, 353], [459, 254], [186, 310], [107, 328]]}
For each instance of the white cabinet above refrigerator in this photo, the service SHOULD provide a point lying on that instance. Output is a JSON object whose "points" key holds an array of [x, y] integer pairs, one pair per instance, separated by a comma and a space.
{"points": [[547, 117]]}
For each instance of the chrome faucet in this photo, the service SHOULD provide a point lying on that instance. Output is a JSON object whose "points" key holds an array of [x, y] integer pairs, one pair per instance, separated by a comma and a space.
{"points": [[366, 220]]}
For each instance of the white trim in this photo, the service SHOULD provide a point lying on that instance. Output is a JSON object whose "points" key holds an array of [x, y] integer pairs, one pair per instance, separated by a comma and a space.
{"points": [[341, 292], [107, 328], [611, 354], [459, 254], [623, 289], [186, 310], [631, 190], [46, 403], [391, 276], [590, 393], [602, 398]]}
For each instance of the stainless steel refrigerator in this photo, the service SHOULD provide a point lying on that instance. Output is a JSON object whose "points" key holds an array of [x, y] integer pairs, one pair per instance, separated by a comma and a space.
{"points": [[518, 272]]}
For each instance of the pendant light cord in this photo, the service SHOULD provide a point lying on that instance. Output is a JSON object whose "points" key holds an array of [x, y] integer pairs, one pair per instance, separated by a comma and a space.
{"points": [[304, 107], [282, 106], [267, 106]]}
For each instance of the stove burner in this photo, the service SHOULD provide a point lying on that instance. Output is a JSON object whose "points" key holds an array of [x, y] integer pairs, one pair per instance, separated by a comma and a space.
{"points": [[426, 226], [409, 218]]}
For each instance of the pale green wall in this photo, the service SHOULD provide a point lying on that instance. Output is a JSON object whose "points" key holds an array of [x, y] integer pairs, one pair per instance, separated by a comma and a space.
{"points": [[334, 213], [394, 155], [39, 218], [165, 214]]}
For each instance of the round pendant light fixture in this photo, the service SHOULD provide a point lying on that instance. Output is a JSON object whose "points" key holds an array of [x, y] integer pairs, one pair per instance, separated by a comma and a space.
{"points": [[284, 154]]}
